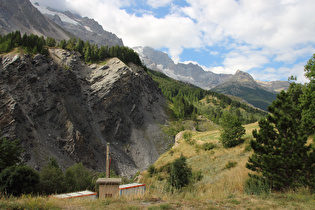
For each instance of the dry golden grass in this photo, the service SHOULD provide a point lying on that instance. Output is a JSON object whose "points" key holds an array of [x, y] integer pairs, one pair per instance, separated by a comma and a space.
{"points": [[220, 188]]}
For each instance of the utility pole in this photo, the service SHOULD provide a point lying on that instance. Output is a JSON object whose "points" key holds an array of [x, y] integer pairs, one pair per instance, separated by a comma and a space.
{"points": [[107, 161]]}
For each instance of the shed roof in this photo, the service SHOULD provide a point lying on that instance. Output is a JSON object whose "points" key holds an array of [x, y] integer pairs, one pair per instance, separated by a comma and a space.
{"points": [[108, 181], [75, 194], [131, 185]]}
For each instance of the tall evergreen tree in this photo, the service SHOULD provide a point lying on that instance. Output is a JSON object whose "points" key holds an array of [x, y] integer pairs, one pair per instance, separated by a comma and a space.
{"points": [[281, 154]]}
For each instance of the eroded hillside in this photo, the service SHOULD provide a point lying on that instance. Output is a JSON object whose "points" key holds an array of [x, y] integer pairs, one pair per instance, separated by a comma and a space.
{"points": [[64, 108]]}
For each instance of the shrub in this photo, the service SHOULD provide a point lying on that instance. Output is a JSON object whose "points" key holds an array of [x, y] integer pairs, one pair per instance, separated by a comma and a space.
{"points": [[18, 180], [180, 174], [187, 137], [151, 170], [208, 146], [230, 164]]}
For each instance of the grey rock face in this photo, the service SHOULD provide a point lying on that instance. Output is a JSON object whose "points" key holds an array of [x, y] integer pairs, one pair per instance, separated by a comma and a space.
{"points": [[82, 27], [21, 15], [63, 108]]}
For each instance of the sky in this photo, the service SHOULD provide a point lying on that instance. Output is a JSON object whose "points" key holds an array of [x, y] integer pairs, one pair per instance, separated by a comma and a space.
{"points": [[270, 39]]}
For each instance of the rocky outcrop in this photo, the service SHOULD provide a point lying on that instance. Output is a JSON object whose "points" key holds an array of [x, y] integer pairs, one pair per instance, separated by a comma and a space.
{"points": [[63, 108]]}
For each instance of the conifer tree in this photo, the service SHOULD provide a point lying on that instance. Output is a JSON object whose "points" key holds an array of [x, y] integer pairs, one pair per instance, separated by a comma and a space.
{"points": [[232, 130], [281, 154]]}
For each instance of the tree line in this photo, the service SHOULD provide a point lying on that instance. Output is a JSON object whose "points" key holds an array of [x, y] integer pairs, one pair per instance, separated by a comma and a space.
{"points": [[16, 178], [90, 52]]}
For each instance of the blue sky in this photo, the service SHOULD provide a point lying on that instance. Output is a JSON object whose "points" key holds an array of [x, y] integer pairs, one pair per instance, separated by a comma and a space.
{"points": [[270, 39]]}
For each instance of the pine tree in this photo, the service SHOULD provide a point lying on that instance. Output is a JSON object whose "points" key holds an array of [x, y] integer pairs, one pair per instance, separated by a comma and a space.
{"points": [[280, 151], [232, 130]]}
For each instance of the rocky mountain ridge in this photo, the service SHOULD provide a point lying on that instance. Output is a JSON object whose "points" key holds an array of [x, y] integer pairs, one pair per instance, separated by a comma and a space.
{"points": [[194, 74], [82, 27], [60, 107], [243, 85], [21, 15], [191, 73]]}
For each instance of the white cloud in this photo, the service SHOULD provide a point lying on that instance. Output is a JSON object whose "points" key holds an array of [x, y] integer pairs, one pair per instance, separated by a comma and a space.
{"points": [[158, 3], [253, 33]]}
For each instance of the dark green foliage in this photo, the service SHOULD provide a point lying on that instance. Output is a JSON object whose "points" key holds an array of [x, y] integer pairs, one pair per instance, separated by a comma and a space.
{"points": [[52, 178], [180, 174], [232, 131], [31, 43], [78, 178], [308, 98], [230, 164], [18, 179], [281, 154], [10, 151], [208, 146], [151, 170]]}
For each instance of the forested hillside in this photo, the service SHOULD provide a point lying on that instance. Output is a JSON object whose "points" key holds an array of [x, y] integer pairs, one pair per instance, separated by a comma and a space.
{"points": [[188, 101]]}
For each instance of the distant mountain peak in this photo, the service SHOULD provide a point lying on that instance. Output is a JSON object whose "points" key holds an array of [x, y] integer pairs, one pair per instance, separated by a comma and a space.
{"points": [[243, 77]]}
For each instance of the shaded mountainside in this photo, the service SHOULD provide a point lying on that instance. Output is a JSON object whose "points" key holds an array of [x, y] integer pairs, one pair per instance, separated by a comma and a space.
{"points": [[84, 28], [21, 15], [63, 108], [244, 86]]}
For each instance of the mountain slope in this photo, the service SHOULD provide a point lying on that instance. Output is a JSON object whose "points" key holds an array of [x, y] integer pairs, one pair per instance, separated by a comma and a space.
{"points": [[84, 28], [64, 108], [244, 86], [21, 15]]}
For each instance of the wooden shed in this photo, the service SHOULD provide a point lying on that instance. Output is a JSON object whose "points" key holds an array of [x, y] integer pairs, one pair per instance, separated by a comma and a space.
{"points": [[108, 187]]}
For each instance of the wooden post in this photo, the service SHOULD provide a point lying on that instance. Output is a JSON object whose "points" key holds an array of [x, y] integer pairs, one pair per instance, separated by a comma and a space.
{"points": [[107, 161]]}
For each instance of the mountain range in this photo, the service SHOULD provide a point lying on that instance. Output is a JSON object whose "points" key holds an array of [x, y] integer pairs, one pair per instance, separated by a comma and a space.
{"points": [[60, 106], [259, 94]]}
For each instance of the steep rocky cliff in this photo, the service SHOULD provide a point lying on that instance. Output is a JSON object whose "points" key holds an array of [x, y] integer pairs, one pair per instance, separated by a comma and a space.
{"points": [[61, 107]]}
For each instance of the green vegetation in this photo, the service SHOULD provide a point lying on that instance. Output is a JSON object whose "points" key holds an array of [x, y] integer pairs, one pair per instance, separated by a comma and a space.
{"points": [[180, 173], [34, 44], [232, 130], [281, 152], [188, 101]]}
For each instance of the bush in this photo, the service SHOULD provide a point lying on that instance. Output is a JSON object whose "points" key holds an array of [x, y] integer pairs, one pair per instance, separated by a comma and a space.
{"points": [[52, 178], [208, 146], [78, 178], [18, 180], [230, 164], [187, 137], [180, 174]]}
